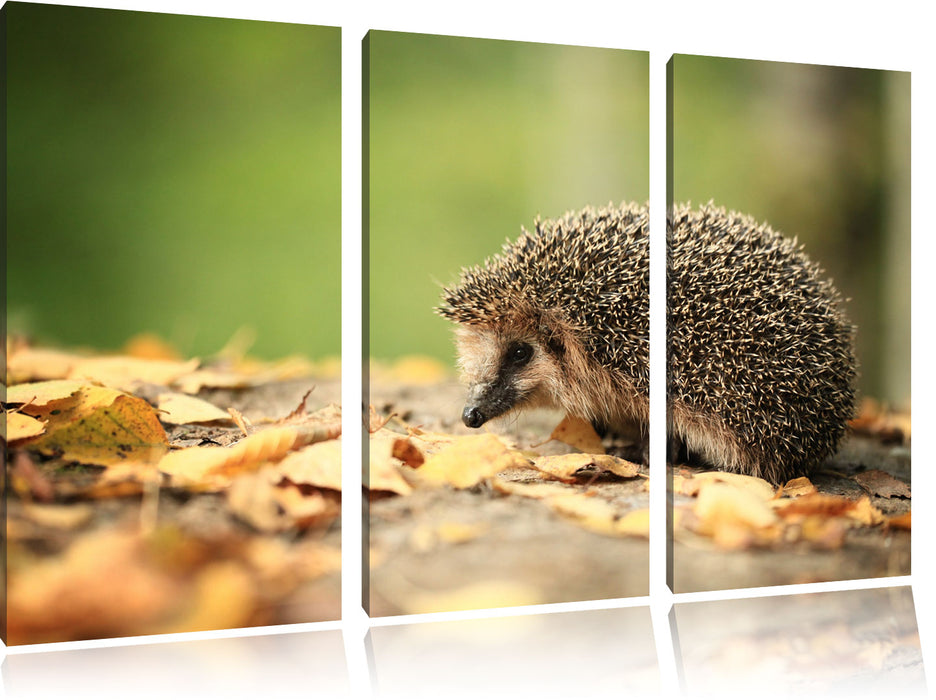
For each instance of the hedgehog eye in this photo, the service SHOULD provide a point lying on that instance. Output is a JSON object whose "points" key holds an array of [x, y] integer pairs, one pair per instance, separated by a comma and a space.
{"points": [[519, 354]]}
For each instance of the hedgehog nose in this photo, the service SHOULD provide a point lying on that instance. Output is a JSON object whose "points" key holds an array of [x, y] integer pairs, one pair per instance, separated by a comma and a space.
{"points": [[473, 417]]}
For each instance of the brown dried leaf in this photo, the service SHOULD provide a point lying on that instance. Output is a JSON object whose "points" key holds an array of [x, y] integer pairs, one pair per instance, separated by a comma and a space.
{"points": [[880, 483], [384, 473], [565, 466], [470, 460], [405, 451], [578, 433], [828, 506]]}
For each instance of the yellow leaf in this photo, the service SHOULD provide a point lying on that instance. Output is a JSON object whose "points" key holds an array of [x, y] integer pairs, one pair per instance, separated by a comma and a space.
{"points": [[636, 522], [31, 364], [18, 426], [104, 427], [755, 486], [37, 394], [565, 466], [271, 504], [316, 465], [212, 467], [578, 433], [722, 504], [470, 460], [126, 372], [179, 409], [800, 486]]}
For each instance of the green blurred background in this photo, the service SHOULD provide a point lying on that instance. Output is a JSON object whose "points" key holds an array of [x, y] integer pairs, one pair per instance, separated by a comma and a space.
{"points": [[470, 139], [173, 174], [822, 153]]}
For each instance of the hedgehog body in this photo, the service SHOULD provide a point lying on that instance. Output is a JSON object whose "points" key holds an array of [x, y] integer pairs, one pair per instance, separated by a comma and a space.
{"points": [[760, 366]]}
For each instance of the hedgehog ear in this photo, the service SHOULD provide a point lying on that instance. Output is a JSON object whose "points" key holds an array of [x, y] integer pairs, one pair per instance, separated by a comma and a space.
{"points": [[553, 340]]}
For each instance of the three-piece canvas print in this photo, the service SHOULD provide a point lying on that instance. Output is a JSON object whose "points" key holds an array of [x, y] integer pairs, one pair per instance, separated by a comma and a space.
{"points": [[172, 391]]}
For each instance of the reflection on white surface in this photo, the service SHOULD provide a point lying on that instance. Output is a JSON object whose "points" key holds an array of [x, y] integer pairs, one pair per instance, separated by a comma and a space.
{"points": [[590, 654], [294, 665], [837, 644]]}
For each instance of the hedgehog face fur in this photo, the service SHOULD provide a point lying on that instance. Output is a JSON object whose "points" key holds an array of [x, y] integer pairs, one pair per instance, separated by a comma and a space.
{"points": [[760, 365], [559, 319]]}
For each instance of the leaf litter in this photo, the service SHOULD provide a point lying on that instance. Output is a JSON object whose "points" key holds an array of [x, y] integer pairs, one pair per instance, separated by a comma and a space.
{"points": [[113, 532]]}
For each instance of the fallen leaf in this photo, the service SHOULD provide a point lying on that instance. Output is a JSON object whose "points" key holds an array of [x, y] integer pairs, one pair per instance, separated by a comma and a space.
{"points": [[470, 460], [801, 486], [125, 373], [384, 473], [722, 504], [405, 451], [212, 468], [272, 504], [565, 466], [880, 483], [828, 506], [578, 433], [34, 364], [179, 409], [38, 394], [103, 426], [316, 465], [19, 426], [756, 486]]}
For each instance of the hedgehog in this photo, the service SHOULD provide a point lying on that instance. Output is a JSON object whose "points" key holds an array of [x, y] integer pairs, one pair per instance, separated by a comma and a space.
{"points": [[760, 359]]}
